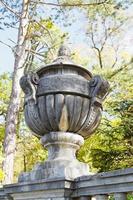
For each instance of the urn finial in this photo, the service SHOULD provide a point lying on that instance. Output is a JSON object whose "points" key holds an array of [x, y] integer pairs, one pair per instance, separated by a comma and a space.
{"points": [[64, 55], [64, 51]]}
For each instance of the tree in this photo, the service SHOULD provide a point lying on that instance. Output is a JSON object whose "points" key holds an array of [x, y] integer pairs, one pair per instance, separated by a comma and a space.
{"points": [[111, 146], [13, 109]]}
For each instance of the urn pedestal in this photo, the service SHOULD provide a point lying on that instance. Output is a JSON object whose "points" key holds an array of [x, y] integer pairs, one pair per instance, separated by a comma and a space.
{"points": [[61, 162], [63, 105]]}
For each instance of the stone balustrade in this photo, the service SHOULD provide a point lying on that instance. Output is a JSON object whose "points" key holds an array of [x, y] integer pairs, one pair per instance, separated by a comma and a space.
{"points": [[93, 187], [101, 186]]}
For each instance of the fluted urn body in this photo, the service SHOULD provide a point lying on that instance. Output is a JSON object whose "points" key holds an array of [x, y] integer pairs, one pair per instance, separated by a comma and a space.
{"points": [[63, 104], [63, 97]]}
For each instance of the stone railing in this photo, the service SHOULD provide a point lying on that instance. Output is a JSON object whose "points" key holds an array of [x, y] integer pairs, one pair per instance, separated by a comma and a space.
{"points": [[96, 187], [102, 185]]}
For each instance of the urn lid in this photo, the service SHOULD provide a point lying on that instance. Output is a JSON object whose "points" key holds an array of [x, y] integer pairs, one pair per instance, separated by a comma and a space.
{"points": [[64, 61]]}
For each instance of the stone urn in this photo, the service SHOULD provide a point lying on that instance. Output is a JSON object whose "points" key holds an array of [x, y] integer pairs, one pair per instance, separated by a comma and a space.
{"points": [[63, 105]]}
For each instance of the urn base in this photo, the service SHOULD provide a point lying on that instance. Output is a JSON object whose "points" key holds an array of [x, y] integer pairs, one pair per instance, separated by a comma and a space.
{"points": [[61, 162]]}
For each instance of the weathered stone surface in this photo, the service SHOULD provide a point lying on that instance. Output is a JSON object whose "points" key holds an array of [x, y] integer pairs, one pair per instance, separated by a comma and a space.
{"points": [[118, 181], [97, 186], [3, 195], [64, 84], [43, 114], [62, 98], [61, 162], [83, 198], [62, 93], [120, 196], [42, 190], [100, 197]]}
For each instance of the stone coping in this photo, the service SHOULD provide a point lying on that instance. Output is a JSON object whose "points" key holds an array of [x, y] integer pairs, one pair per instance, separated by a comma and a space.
{"points": [[115, 173], [102, 183]]}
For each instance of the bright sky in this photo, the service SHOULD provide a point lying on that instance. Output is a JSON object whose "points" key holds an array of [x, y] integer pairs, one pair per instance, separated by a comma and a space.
{"points": [[7, 57], [77, 40]]}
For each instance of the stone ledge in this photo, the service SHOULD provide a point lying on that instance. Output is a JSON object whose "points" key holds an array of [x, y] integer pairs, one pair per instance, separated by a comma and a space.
{"points": [[119, 181], [119, 172], [104, 183], [43, 189], [40, 185]]}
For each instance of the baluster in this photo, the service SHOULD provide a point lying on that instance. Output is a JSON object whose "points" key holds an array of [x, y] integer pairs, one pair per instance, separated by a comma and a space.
{"points": [[100, 197], [120, 196], [83, 198]]}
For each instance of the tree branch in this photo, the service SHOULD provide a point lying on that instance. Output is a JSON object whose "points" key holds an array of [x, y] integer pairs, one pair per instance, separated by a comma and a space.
{"points": [[35, 53], [12, 41], [7, 46], [44, 28], [120, 69], [72, 5], [9, 8], [44, 41], [98, 50], [99, 57], [3, 113], [116, 56]]}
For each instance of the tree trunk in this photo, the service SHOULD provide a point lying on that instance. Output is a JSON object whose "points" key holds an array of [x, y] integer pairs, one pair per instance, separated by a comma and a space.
{"points": [[14, 104]]}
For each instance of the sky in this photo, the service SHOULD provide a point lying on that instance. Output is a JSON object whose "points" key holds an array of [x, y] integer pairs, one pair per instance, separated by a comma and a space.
{"points": [[6, 54], [76, 41]]}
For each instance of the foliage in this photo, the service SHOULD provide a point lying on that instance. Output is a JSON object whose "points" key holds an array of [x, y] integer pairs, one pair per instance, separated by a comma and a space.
{"points": [[129, 197], [46, 38], [5, 88], [1, 159], [29, 152], [112, 146]]}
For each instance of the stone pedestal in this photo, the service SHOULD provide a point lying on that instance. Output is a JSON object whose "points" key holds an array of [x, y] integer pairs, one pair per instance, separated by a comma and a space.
{"points": [[61, 162]]}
